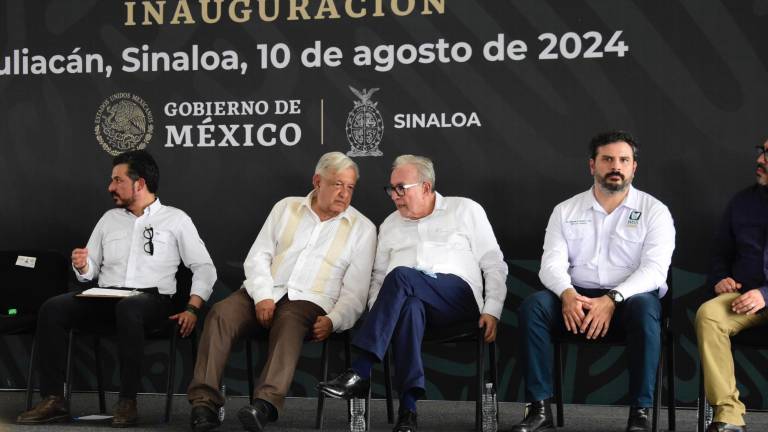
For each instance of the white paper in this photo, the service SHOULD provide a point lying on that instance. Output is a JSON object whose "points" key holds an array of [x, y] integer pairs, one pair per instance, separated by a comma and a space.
{"points": [[94, 417], [108, 292], [26, 261]]}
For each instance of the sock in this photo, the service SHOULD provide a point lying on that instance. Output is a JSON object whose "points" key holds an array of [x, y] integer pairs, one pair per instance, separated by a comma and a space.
{"points": [[408, 401], [363, 364]]}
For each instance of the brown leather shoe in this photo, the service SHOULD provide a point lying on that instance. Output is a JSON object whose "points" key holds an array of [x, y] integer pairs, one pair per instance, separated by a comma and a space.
{"points": [[51, 409], [125, 413]]}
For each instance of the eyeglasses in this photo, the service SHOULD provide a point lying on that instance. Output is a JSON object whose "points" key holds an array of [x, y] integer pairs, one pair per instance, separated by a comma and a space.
{"points": [[399, 189], [149, 247], [761, 151]]}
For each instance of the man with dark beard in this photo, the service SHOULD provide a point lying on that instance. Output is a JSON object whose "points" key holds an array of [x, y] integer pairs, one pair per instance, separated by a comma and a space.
{"points": [[140, 245], [738, 279], [605, 262]]}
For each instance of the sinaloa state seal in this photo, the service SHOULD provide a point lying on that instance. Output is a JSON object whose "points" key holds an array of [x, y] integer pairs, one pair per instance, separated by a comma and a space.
{"points": [[365, 127], [123, 122]]}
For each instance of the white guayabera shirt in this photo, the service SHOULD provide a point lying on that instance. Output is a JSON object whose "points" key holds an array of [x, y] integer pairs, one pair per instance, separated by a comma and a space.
{"points": [[456, 238], [325, 262]]}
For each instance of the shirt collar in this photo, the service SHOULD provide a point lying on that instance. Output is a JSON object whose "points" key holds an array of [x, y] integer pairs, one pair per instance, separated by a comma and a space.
{"points": [[150, 209], [631, 201], [307, 202]]}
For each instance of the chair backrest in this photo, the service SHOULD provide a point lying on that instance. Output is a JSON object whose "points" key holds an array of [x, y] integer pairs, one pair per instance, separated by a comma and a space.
{"points": [[29, 277]]}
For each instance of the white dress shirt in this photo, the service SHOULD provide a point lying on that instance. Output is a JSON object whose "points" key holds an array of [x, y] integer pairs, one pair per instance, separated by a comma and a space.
{"points": [[118, 258], [325, 262], [629, 250], [456, 238]]}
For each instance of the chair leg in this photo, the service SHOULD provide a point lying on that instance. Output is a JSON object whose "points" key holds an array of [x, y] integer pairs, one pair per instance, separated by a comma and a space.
{"points": [[558, 349], [367, 409], [657, 393], [171, 372], [388, 389], [702, 405], [671, 399], [68, 375], [479, 384], [99, 374], [320, 396], [30, 369], [494, 366], [249, 368]]}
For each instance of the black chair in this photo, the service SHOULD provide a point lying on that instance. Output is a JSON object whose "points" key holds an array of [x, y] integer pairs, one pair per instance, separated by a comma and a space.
{"points": [[467, 331], [754, 338], [343, 337], [27, 283], [169, 331], [667, 352]]}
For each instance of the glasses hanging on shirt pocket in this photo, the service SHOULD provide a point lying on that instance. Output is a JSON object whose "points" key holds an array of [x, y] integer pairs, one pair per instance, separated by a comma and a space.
{"points": [[149, 233]]}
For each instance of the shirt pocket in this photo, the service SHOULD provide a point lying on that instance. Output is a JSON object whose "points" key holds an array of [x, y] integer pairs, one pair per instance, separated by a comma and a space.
{"points": [[163, 243], [115, 246], [580, 248], [626, 247], [448, 238]]}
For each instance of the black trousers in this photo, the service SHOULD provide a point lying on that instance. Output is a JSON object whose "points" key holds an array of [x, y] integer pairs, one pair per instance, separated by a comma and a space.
{"points": [[130, 318]]}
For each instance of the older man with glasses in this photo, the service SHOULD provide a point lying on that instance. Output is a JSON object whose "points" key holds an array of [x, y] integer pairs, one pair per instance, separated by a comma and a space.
{"points": [[138, 245], [433, 255], [740, 283]]}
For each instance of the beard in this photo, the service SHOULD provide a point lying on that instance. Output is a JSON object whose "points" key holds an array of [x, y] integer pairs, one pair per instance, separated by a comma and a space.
{"points": [[613, 187], [123, 202]]}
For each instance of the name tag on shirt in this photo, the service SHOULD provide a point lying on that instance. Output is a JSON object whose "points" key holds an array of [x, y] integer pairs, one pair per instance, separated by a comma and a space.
{"points": [[634, 218]]}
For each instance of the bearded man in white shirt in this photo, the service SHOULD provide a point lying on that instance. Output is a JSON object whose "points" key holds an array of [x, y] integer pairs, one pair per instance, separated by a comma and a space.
{"points": [[606, 256], [140, 245], [307, 275], [432, 257]]}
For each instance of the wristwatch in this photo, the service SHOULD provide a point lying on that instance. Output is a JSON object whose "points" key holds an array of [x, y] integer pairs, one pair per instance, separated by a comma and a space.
{"points": [[615, 296]]}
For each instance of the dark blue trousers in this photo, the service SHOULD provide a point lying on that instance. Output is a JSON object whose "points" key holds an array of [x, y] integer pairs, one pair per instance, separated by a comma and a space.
{"points": [[637, 320], [408, 301]]}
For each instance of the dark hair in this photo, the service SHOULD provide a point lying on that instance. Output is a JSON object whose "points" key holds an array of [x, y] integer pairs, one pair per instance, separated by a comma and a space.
{"points": [[141, 164], [611, 137]]}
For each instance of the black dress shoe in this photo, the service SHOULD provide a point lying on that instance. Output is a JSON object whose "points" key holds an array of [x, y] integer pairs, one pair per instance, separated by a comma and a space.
{"points": [[725, 427], [406, 421], [639, 420], [254, 418], [348, 385], [203, 418], [538, 418]]}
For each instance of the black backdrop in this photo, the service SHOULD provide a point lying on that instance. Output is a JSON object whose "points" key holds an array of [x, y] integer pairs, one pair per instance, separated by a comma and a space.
{"points": [[691, 85]]}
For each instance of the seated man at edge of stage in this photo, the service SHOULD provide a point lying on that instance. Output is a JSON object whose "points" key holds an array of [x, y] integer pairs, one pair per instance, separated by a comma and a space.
{"points": [[738, 277], [427, 272], [606, 256], [140, 245], [306, 276]]}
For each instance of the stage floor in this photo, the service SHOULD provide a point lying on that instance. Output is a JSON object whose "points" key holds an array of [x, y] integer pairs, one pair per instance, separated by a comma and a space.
{"points": [[442, 416]]}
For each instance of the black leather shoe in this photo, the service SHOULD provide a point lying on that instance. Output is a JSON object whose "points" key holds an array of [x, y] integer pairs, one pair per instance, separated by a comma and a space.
{"points": [[406, 421], [639, 420], [725, 427], [346, 386], [254, 418], [538, 418], [203, 418]]}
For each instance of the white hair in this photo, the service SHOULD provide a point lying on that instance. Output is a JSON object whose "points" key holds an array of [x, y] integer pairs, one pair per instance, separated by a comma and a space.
{"points": [[334, 162], [423, 165]]}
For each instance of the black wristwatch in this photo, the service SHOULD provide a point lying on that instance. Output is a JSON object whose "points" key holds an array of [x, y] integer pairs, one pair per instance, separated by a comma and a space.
{"points": [[615, 296]]}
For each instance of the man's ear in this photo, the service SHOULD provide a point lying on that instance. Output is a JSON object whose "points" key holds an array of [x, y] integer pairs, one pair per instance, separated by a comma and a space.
{"points": [[316, 181], [591, 166], [139, 184]]}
